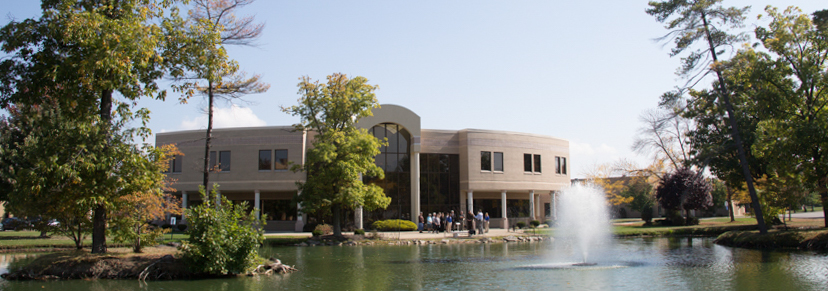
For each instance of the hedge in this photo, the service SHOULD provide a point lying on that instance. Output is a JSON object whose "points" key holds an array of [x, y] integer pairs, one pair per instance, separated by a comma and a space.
{"points": [[394, 224]]}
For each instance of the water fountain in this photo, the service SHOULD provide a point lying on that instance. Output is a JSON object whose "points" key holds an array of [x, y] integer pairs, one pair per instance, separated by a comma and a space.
{"points": [[582, 235]]}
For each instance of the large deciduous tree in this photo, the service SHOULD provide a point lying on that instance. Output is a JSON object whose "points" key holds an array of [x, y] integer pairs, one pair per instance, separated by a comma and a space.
{"points": [[341, 153], [95, 58], [690, 21], [794, 135]]}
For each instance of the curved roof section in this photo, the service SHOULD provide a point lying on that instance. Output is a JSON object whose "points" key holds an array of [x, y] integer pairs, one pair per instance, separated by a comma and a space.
{"points": [[390, 113]]}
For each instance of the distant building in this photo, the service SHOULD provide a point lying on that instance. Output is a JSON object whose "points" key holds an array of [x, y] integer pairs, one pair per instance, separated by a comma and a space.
{"points": [[510, 175]]}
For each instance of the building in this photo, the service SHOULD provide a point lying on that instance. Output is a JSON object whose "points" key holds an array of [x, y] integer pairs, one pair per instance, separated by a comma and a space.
{"points": [[512, 176]]}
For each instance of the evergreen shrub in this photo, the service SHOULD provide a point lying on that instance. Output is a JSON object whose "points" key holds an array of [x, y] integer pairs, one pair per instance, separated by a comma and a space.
{"points": [[394, 224]]}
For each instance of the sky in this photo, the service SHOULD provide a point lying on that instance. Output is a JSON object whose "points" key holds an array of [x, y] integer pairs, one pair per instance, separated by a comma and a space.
{"points": [[583, 71]]}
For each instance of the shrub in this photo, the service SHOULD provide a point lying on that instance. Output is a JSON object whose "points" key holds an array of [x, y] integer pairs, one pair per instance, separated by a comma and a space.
{"points": [[550, 222], [520, 224], [359, 232], [317, 232], [309, 227], [394, 224], [224, 239], [324, 228], [166, 226], [691, 221], [181, 227], [647, 215], [534, 223]]}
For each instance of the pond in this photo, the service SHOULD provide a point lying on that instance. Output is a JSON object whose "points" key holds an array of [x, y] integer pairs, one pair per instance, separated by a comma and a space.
{"points": [[639, 264]]}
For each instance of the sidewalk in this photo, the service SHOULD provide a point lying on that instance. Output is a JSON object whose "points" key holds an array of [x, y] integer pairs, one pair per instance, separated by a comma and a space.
{"points": [[410, 235]]}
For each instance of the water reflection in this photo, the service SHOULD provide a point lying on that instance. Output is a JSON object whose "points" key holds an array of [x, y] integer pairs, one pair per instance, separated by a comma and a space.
{"points": [[648, 264]]}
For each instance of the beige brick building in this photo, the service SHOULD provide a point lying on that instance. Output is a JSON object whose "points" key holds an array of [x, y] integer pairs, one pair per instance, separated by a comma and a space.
{"points": [[512, 176]]}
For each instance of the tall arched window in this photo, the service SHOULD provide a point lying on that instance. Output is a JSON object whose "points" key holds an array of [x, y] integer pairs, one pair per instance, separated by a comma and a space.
{"points": [[394, 159]]}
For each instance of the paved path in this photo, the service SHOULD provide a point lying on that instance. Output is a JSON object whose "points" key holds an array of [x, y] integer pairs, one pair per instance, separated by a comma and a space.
{"points": [[409, 235], [809, 215]]}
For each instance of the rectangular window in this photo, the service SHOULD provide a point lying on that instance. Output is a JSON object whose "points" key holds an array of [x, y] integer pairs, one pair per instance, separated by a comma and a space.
{"points": [[563, 165], [281, 160], [557, 165], [265, 163], [537, 163], [177, 163], [498, 162], [485, 161], [527, 162], [213, 161], [224, 161]]}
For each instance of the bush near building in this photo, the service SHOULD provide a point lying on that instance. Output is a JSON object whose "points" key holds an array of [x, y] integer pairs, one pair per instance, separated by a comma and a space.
{"points": [[394, 224]]}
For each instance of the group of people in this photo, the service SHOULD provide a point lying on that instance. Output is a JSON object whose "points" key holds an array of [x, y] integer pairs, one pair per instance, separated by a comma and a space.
{"points": [[437, 222]]}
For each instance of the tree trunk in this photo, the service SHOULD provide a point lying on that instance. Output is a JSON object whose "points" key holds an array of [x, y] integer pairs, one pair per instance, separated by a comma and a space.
{"points": [[734, 132], [99, 216], [208, 139], [730, 204], [823, 196], [337, 224]]}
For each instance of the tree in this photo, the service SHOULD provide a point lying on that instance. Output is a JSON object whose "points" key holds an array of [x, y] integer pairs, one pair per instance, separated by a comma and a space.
{"points": [[95, 57], [665, 136], [136, 211], [641, 193], [700, 20], [683, 189], [612, 179], [794, 136], [341, 153], [222, 78]]}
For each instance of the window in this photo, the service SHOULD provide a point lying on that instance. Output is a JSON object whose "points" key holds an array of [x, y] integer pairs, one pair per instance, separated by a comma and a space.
{"points": [[485, 161], [498, 162], [557, 165], [563, 165], [175, 164], [527, 162], [281, 160], [560, 165], [537, 163], [265, 162], [224, 161]]}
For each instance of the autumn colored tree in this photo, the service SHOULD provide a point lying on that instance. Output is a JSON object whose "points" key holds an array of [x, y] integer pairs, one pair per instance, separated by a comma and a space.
{"points": [[136, 211], [690, 21], [341, 153]]}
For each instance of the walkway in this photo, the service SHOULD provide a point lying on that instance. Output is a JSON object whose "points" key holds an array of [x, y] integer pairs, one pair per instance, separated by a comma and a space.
{"points": [[409, 235]]}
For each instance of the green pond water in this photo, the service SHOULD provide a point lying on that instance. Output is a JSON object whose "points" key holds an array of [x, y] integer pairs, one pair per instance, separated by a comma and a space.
{"points": [[632, 264]]}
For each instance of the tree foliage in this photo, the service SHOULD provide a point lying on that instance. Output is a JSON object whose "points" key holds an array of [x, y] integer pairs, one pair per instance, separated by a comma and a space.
{"points": [[136, 211], [684, 189], [224, 237], [341, 153]]}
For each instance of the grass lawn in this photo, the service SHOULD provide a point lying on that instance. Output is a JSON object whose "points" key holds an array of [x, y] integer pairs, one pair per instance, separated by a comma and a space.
{"points": [[32, 240]]}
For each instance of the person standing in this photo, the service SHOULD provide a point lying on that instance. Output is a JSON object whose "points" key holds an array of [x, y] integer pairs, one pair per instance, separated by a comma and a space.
{"points": [[429, 222], [449, 222], [479, 219], [436, 223], [486, 221], [421, 220]]}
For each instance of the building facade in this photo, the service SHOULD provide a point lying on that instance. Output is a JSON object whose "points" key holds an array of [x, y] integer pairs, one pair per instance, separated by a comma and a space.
{"points": [[511, 176]]}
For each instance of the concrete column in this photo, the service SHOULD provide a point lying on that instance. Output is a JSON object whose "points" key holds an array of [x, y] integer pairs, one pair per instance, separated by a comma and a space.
{"points": [[415, 185], [538, 208], [531, 204], [553, 207], [257, 203], [183, 205], [470, 202], [300, 221], [505, 221]]}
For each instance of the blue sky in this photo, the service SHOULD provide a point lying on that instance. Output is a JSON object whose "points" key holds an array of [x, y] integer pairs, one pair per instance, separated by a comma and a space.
{"points": [[578, 70]]}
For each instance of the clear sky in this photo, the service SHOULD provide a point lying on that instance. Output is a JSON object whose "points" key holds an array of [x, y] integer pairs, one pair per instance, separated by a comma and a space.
{"points": [[579, 70]]}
